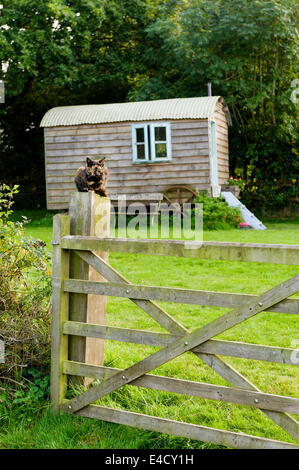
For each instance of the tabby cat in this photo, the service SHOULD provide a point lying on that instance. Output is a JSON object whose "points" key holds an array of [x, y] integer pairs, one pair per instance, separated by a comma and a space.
{"points": [[92, 177]]}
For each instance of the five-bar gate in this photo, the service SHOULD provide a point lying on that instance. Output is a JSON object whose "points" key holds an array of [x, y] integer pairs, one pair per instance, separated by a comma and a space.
{"points": [[177, 341]]}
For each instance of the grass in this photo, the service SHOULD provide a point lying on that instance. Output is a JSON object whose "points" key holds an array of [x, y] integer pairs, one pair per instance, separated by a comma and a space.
{"points": [[48, 431]]}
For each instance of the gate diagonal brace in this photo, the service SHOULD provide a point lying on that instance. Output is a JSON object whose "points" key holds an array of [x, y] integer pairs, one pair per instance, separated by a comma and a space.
{"points": [[189, 341]]}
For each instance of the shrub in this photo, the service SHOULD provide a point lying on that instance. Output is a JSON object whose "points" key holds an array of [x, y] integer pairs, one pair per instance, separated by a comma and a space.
{"points": [[25, 287], [217, 215]]}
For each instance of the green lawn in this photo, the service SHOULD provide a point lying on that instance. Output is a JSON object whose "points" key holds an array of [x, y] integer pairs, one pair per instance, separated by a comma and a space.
{"points": [[49, 431]]}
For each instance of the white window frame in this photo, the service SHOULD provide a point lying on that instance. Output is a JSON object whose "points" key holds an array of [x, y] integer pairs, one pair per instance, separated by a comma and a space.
{"points": [[167, 142], [150, 151], [135, 143]]}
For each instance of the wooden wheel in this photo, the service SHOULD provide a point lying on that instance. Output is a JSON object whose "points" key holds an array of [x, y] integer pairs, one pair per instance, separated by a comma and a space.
{"points": [[180, 194]]}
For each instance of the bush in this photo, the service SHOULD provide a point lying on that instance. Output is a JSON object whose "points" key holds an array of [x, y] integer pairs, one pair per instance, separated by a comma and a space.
{"points": [[272, 200], [217, 215], [25, 287]]}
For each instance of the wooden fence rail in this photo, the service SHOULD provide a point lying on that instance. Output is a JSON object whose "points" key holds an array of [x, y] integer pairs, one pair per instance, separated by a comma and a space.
{"points": [[225, 251], [176, 341], [256, 352], [173, 294]]}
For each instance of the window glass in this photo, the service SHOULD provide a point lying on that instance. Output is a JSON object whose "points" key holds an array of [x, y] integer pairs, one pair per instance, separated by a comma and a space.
{"points": [[140, 135], [160, 133], [140, 152], [161, 150]]}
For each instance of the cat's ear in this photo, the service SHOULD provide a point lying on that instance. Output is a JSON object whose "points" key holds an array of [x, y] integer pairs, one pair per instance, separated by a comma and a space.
{"points": [[102, 161], [89, 162]]}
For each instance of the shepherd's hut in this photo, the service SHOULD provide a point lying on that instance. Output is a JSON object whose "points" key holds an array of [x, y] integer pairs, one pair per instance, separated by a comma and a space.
{"points": [[173, 147]]}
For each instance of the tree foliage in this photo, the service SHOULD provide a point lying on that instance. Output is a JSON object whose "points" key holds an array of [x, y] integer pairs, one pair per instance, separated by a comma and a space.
{"points": [[248, 50], [62, 52]]}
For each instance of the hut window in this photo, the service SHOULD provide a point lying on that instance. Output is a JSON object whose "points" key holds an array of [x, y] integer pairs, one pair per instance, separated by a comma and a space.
{"points": [[160, 141], [151, 142], [140, 142]]}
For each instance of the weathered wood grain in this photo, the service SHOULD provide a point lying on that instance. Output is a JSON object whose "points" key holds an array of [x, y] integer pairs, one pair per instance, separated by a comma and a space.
{"points": [[226, 371], [172, 294], [60, 311], [148, 176], [260, 253], [80, 216], [188, 342], [66, 147], [189, 431], [151, 308], [122, 166], [221, 347], [222, 144], [265, 401], [88, 129], [96, 306], [218, 365]]}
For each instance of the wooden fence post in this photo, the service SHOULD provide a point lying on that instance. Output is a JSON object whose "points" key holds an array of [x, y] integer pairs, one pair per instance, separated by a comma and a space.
{"points": [[60, 311], [96, 305], [90, 216]]}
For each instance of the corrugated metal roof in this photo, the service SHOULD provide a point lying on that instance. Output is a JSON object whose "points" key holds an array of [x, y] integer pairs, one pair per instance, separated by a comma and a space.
{"points": [[179, 108]]}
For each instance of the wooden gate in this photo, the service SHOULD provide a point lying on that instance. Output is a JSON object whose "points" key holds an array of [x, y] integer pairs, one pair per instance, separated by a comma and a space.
{"points": [[177, 341]]}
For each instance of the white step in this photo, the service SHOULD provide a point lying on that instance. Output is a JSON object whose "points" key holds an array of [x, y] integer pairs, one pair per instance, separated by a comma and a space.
{"points": [[248, 216]]}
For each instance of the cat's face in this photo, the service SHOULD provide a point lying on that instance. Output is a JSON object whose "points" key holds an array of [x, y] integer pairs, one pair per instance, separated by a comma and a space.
{"points": [[94, 168]]}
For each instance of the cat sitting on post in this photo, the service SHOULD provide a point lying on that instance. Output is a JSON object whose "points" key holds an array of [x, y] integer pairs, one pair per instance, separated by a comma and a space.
{"points": [[92, 177]]}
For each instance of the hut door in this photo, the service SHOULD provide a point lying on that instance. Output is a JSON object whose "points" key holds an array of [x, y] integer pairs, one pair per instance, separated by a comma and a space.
{"points": [[214, 154]]}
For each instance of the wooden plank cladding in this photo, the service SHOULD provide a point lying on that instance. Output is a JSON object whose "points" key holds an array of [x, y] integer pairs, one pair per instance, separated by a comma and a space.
{"points": [[222, 144], [259, 253], [67, 175], [66, 148]]}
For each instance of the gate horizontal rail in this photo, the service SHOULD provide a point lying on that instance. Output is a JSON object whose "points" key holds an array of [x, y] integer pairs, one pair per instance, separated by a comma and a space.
{"points": [[213, 346], [177, 340], [189, 431], [225, 251], [260, 400], [172, 294]]}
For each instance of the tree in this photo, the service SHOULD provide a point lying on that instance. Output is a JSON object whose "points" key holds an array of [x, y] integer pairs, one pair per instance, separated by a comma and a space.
{"points": [[61, 52], [248, 49]]}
